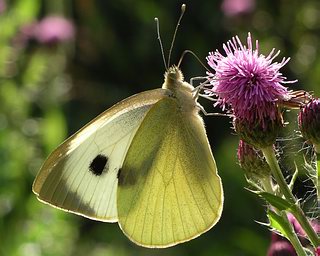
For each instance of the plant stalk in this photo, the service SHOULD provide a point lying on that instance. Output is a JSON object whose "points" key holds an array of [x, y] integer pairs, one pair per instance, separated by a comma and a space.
{"points": [[294, 238], [285, 190]]}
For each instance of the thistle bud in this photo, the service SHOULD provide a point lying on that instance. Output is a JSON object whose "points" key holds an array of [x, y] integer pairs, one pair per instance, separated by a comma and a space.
{"points": [[283, 248], [309, 123], [259, 134], [252, 162]]}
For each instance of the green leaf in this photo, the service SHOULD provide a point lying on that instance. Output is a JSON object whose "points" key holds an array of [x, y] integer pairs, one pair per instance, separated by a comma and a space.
{"points": [[279, 224], [276, 201]]}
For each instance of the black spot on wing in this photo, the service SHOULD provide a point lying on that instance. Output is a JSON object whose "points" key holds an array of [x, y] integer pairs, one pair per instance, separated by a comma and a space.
{"points": [[99, 164]]}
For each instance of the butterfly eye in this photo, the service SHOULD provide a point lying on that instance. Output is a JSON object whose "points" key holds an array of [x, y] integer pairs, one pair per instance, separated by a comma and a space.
{"points": [[98, 165]]}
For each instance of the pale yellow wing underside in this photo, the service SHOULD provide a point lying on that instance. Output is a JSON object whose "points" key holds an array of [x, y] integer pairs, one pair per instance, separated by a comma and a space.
{"points": [[169, 190], [65, 181]]}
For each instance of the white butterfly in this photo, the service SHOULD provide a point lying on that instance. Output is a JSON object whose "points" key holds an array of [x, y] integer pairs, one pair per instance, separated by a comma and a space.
{"points": [[145, 162]]}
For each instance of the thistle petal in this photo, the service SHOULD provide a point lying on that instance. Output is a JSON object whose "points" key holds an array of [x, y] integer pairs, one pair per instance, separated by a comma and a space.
{"points": [[248, 82]]}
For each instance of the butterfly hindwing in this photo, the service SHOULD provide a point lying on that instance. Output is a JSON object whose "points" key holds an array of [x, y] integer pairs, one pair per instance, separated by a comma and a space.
{"points": [[81, 174], [169, 191]]}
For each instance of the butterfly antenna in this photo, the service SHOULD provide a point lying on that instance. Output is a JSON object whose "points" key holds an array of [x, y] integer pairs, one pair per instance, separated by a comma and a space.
{"points": [[194, 55], [160, 42], [183, 9]]}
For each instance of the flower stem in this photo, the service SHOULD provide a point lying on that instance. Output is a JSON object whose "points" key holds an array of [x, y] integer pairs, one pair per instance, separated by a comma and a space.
{"points": [[305, 224], [267, 184], [269, 154], [285, 190], [294, 238]]}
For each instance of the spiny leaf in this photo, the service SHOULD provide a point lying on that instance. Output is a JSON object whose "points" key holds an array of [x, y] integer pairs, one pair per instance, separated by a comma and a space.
{"points": [[276, 201], [278, 223]]}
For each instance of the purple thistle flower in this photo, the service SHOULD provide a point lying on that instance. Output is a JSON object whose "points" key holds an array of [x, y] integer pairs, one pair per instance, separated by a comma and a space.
{"points": [[248, 82], [281, 248], [50, 30], [54, 29], [233, 8], [3, 6], [296, 225], [309, 122]]}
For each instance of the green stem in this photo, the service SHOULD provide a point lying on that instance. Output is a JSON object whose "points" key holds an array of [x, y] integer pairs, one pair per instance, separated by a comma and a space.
{"points": [[267, 185], [294, 238], [284, 188], [305, 224], [277, 174]]}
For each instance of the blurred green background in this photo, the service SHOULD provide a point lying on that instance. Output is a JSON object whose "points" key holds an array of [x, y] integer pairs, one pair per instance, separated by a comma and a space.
{"points": [[63, 62]]}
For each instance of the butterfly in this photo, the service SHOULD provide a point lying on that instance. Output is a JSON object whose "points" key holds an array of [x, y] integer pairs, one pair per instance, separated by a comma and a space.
{"points": [[145, 163]]}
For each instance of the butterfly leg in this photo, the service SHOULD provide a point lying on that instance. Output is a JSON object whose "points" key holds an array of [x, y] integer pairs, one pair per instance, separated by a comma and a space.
{"points": [[201, 108], [207, 97], [198, 88]]}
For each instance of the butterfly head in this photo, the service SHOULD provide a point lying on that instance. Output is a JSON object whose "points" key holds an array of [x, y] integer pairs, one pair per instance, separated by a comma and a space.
{"points": [[179, 89], [173, 74], [174, 80]]}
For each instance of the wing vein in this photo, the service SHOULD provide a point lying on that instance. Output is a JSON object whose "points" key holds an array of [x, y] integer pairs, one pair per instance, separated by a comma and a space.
{"points": [[175, 190], [210, 183]]}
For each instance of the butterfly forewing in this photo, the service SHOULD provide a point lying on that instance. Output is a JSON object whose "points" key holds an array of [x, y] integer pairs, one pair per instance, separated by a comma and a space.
{"points": [[81, 174], [169, 191]]}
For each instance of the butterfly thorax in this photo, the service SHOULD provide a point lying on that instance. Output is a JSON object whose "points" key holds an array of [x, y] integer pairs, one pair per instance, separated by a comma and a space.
{"points": [[181, 90]]}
